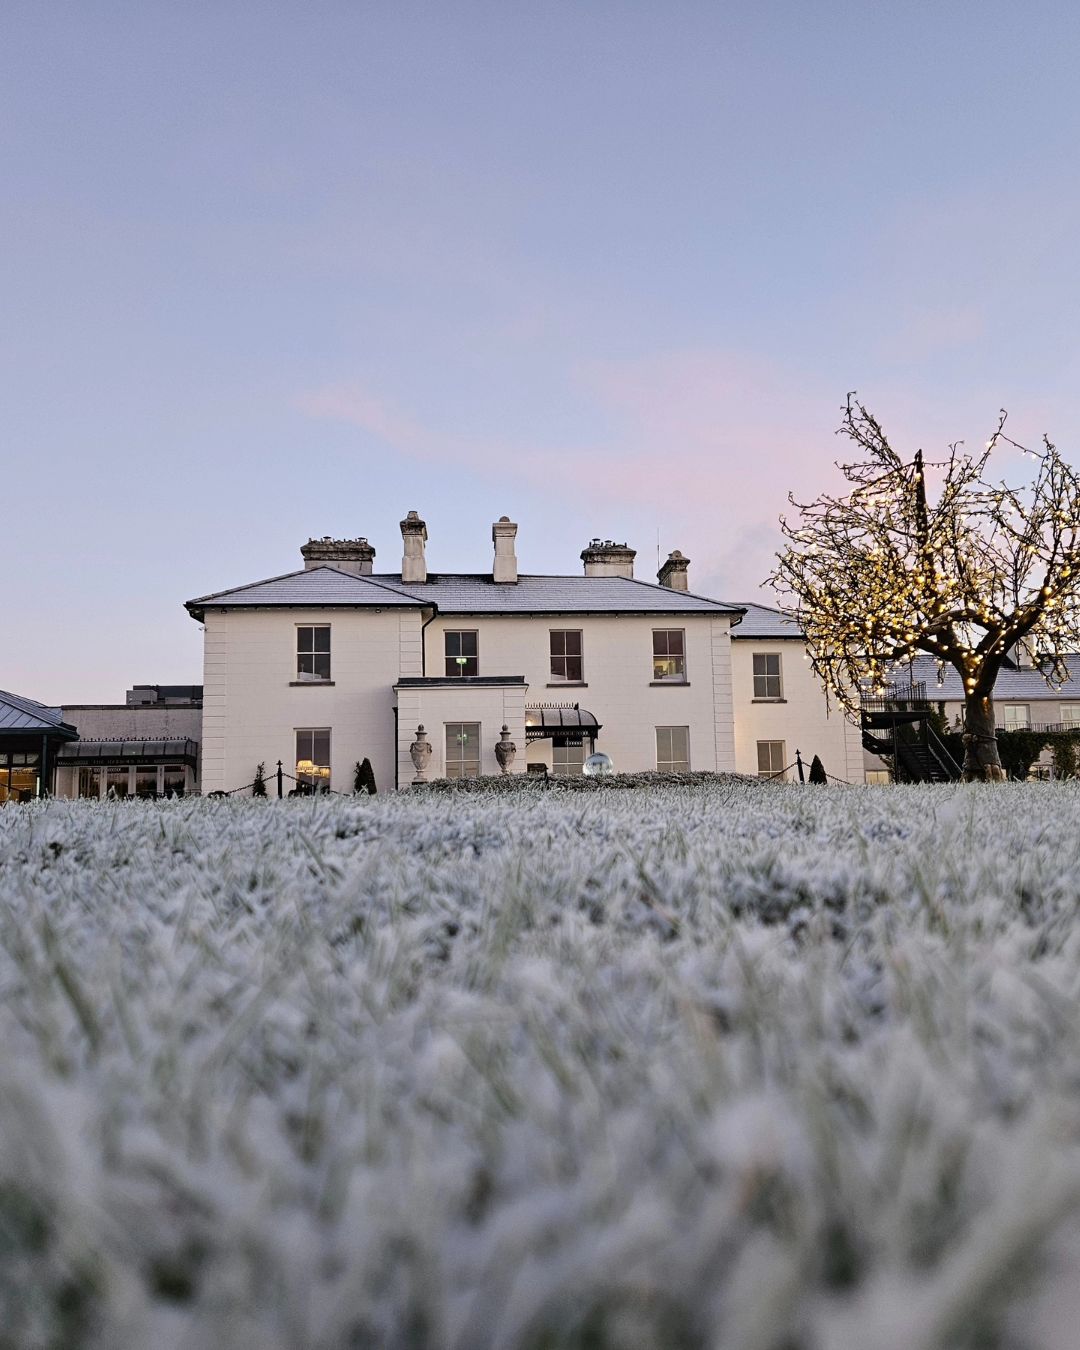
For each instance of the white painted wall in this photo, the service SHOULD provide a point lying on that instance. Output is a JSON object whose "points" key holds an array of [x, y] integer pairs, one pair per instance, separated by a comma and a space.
{"points": [[149, 722], [801, 720], [436, 705], [618, 689], [252, 707]]}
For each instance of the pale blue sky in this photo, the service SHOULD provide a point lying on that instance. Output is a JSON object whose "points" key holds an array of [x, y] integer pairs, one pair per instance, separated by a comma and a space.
{"points": [[274, 270]]}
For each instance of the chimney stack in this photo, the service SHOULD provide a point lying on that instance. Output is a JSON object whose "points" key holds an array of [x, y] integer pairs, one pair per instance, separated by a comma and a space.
{"points": [[604, 558], [347, 555], [673, 573], [413, 562], [503, 534]]}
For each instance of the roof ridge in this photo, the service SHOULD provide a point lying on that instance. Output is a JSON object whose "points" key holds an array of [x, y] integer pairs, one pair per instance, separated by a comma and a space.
{"points": [[287, 576], [28, 705], [244, 586], [31, 708], [696, 595], [383, 585], [770, 609]]}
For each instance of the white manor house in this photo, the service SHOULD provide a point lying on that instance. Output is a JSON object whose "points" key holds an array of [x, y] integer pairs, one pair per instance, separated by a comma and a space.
{"points": [[334, 663]]}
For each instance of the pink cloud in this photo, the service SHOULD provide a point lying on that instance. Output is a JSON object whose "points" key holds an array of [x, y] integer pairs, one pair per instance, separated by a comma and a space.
{"points": [[706, 442]]}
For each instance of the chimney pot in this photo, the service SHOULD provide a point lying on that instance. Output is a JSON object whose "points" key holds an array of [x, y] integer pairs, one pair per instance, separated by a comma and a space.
{"points": [[505, 568], [347, 555], [673, 573], [605, 558], [414, 561]]}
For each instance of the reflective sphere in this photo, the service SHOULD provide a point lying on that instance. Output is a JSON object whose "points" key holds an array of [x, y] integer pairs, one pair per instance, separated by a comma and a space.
{"points": [[597, 764]]}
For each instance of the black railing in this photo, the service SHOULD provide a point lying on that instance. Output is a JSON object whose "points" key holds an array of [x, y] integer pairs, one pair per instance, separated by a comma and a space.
{"points": [[896, 725], [897, 696]]}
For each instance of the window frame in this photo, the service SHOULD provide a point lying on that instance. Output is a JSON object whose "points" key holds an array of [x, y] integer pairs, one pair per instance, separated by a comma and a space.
{"points": [[671, 763], [773, 772], [313, 654], [461, 658], [22, 764], [761, 691], [1006, 725], [566, 657], [681, 676], [321, 784], [461, 761], [567, 767]]}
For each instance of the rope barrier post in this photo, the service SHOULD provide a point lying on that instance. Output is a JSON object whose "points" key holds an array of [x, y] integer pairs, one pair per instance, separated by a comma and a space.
{"points": [[799, 766], [280, 785]]}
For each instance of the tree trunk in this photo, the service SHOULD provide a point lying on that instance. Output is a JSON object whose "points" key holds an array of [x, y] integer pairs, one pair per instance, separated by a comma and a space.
{"points": [[981, 761]]}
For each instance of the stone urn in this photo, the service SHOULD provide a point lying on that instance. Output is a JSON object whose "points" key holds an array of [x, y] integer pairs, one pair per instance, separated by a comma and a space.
{"points": [[420, 753], [505, 750]]}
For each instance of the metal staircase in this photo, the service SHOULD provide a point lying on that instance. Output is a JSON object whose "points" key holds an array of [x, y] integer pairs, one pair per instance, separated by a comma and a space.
{"points": [[897, 726]]}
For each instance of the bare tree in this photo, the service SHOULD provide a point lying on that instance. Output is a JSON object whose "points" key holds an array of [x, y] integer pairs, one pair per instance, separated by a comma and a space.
{"points": [[965, 571]]}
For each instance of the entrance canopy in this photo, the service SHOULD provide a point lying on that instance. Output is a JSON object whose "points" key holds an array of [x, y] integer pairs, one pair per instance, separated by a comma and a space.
{"points": [[559, 722], [129, 752]]}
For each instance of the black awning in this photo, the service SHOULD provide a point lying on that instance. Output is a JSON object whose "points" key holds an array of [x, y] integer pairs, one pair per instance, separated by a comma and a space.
{"points": [[129, 752], [554, 721]]}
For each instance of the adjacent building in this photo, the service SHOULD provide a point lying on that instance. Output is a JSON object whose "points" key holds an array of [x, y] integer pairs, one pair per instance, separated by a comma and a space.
{"points": [[31, 737], [147, 746]]}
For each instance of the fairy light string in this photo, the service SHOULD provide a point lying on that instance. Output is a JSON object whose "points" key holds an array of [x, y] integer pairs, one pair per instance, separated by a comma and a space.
{"points": [[962, 569]]}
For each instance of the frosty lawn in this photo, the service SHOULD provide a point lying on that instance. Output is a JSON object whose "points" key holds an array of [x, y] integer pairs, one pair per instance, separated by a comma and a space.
{"points": [[759, 1068]]}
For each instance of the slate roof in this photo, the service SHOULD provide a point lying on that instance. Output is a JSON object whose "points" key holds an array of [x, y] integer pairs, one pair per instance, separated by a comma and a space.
{"points": [[311, 588], [761, 622], [24, 716], [464, 593], [1012, 686]]}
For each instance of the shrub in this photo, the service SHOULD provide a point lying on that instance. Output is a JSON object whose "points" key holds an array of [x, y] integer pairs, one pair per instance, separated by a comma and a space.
{"points": [[364, 777]]}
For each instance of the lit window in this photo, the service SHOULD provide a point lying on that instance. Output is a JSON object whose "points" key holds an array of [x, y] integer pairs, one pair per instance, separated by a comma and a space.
{"points": [[461, 654], [462, 749], [771, 760], [669, 654], [313, 652], [566, 759], [878, 776], [673, 749], [1015, 716], [566, 661], [313, 759], [767, 675], [19, 780]]}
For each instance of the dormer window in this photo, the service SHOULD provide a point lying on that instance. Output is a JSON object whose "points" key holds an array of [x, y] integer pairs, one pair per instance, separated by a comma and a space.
{"points": [[313, 653]]}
